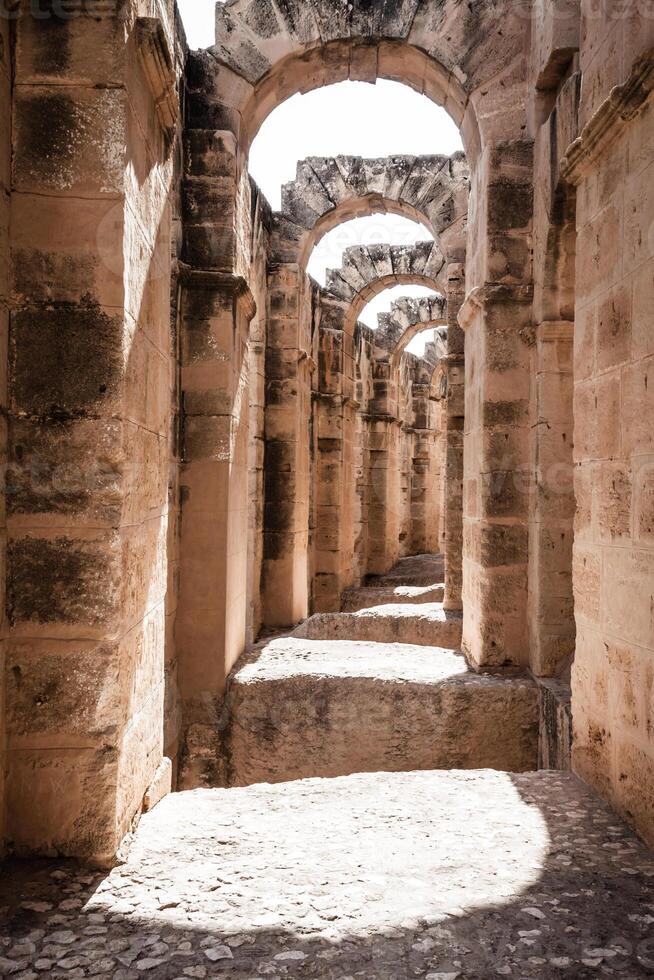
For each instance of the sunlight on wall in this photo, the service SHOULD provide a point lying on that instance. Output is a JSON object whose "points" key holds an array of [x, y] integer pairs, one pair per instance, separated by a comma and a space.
{"points": [[349, 119]]}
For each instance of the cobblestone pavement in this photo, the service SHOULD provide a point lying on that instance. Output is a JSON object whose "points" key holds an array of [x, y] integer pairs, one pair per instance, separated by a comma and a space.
{"points": [[437, 875]]}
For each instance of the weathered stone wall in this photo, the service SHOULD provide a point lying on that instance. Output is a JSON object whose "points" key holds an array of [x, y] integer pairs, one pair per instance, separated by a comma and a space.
{"points": [[429, 431], [612, 166], [5, 257], [289, 450], [90, 422], [257, 420], [554, 100], [225, 313]]}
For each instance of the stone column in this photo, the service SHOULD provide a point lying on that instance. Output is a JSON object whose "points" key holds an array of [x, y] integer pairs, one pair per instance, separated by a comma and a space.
{"points": [[91, 381], [287, 452], [335, 466], [384, 467], [217, 307], [497, 318], [211, 620], [551, 619], [496, 476], [423, 478], [6, 69], [452, 517]]}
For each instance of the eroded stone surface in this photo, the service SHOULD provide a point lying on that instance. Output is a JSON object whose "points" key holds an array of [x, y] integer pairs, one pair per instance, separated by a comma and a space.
{"points": [[421, 625], [368, 596], [379, 877], [416, 570], [298, 708]]}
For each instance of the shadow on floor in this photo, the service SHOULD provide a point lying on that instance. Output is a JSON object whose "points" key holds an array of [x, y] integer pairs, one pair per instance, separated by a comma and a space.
{"points": [[381, 877]]}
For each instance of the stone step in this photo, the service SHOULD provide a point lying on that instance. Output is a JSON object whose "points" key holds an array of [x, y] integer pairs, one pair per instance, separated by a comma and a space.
{"points": [[298, 708], [365, 598], [415, 570], [421, 625]]}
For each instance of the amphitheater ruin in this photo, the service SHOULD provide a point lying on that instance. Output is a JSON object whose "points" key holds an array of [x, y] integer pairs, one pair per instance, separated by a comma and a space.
{"points": [[322, 658]]}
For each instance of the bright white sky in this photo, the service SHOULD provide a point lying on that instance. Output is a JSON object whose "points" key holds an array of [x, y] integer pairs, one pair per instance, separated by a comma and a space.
{"points": [[350, 118], [199, 18]]}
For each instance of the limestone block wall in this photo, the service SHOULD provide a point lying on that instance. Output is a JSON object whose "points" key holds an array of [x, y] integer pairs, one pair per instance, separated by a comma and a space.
{"points": [[5, 259], [555, 71], [612, 166], [92, 377], [224, 328], [428, 445], [257, 420], [453, 428], [496, 318]]}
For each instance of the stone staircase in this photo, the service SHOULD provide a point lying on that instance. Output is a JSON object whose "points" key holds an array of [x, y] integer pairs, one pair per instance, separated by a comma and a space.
{"points": [[413, 581], [377, 687]]}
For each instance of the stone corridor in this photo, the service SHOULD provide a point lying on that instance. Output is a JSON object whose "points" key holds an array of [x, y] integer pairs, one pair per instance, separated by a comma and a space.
{"points": [[379, 872], [466, 875], [321, 657], [384, 688]]}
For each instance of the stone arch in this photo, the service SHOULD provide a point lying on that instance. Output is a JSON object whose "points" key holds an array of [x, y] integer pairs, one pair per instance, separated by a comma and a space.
{"points": [[270, 49], [368, 270], [409, 317], [327, 191], [435, 357]]}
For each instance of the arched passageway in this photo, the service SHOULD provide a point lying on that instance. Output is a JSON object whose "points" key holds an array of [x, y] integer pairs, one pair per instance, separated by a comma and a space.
{"points": [[324, 193], [193, 427], [310, 537]]}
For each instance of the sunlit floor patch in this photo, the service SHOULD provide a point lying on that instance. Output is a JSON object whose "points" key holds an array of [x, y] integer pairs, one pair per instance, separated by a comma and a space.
{"points": [[377, 876]]}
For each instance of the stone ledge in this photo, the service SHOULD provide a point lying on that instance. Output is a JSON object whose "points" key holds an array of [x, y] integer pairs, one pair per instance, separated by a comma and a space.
{"points": [[159, 70], [367, 597], [426, 625], [623, 104], [493, 292]]}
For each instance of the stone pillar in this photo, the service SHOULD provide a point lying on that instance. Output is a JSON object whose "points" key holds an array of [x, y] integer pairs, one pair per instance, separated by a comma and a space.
{"points": [[406, 474], [452, 516], [496, 476], [91, 382], [384, 511], [335, 489], [497, 318], [5, 289], [256, 454], [335, 481], [217, 307], [424, 479], [551, 614], [211, 621], [384, 468], [287, 453]]}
